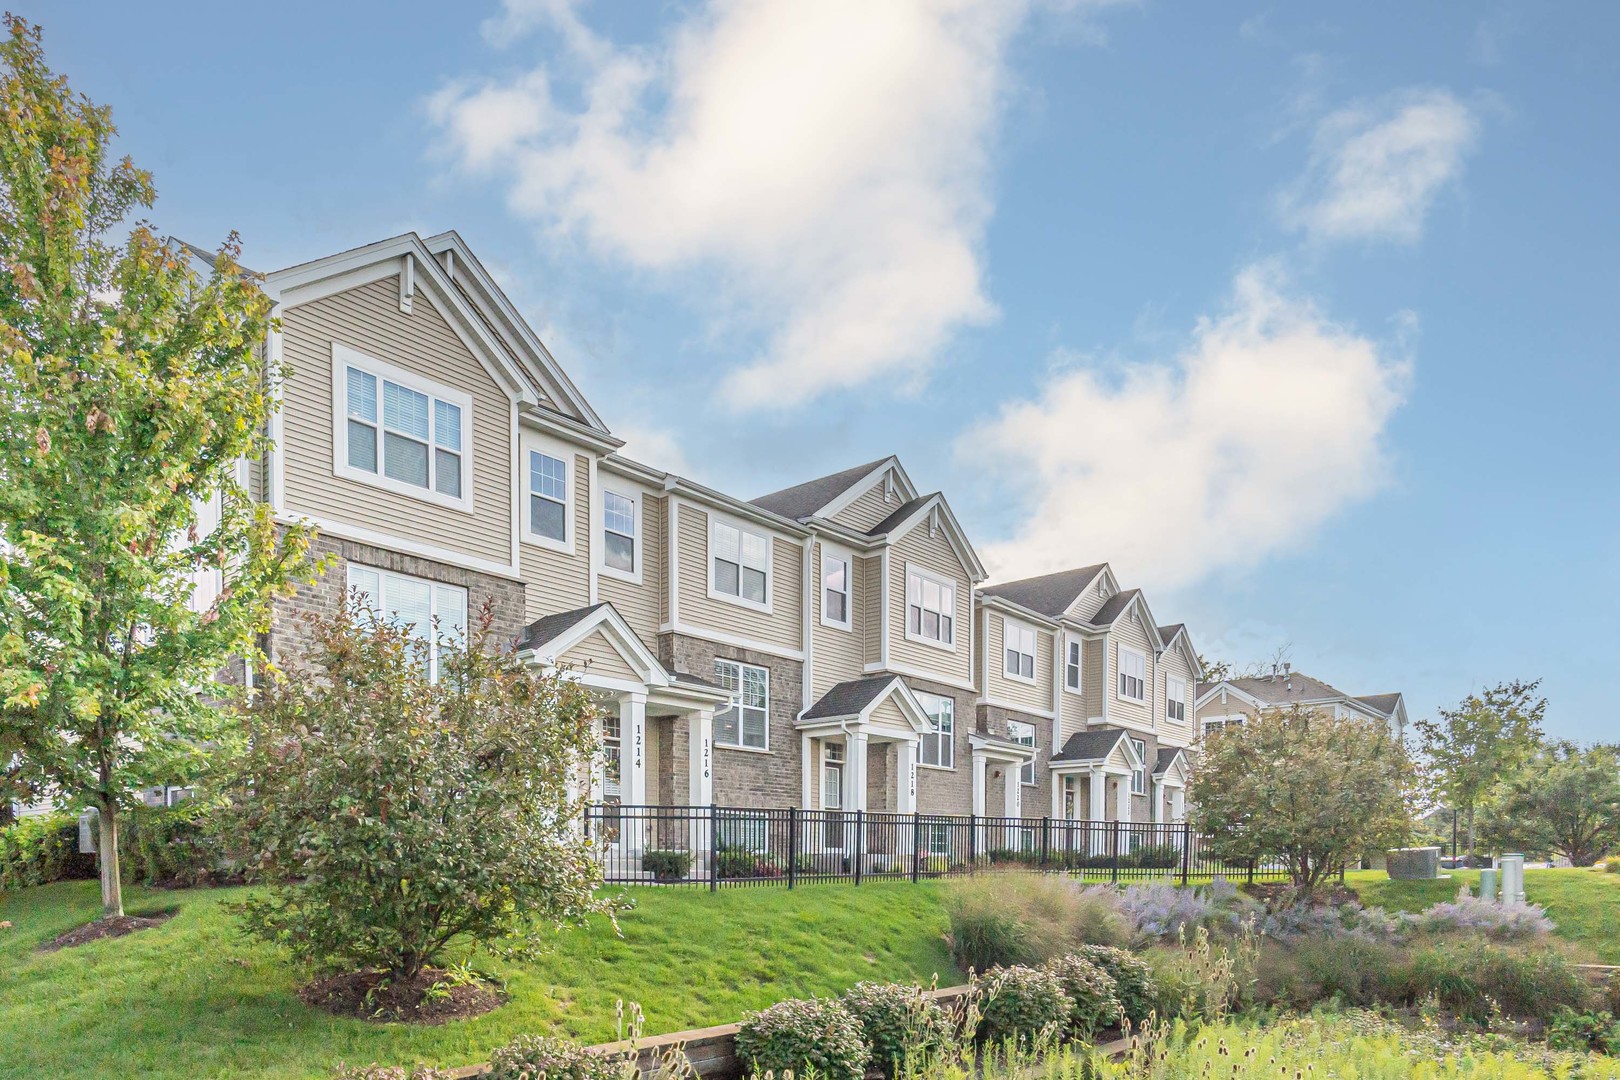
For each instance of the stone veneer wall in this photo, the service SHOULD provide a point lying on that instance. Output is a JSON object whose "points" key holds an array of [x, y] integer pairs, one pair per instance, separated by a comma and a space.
{"points": [[289, 629], [769, 778], [948, 791], [1037, 797]]}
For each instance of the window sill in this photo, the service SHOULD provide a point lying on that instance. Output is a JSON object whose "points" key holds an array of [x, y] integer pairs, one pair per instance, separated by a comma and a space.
{"points": [[619, 575], [931, 643], [737, 601], [743, 749], [399, 487], [533, 539], [846, 627], [1010, 677], [936, 768]]}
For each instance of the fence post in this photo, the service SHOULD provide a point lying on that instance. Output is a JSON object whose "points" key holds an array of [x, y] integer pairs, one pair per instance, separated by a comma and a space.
{"points": [[1046, 839], [916, 846], [1115, 844], [1186, 850], [714, 864], [793, 845], [860, 843], [973, 841]]}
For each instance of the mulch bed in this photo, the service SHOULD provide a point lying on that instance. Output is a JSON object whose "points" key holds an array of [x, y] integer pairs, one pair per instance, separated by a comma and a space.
{"points": [[367, 995], [117, 926]]}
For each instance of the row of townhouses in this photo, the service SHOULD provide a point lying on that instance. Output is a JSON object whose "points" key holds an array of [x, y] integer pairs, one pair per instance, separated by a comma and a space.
{"points": [[832, 645]]}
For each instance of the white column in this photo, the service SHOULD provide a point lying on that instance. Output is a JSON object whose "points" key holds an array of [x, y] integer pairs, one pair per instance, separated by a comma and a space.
{"points": [[1178, 804], [1057, 795], [979, 765], [633, 747], [700, 783], [1097, 812], [906, 799], [855, 770], [807, 784], [1122, 800], [1014, 795], [1158, 802]]}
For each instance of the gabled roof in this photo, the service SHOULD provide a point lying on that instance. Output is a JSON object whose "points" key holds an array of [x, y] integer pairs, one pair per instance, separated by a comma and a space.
{"points": [[1167, 634], [896, 519], [549, 638], [550, 627], [1167, 758], [915, 511], [849, 698], [1384, 703], [1048, 594], [1093, 745], [1114, 607], [804, 500], [1293, 688]]}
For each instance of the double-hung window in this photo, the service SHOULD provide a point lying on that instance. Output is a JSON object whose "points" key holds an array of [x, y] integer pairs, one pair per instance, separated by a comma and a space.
{"points": [[1132, 675], [835, 590], [1175, 700], [548, 497], [1218, 723], [930, 608], [401, 433], [939, 741], [618, 532], [1020, 642], [434, 614], [1071, 667], [744, 724], [1020, 732], [740, 565], [1139, 774]]}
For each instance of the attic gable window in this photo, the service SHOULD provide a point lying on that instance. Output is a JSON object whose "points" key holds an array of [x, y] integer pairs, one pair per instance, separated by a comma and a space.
{"points": [[398, 431]]}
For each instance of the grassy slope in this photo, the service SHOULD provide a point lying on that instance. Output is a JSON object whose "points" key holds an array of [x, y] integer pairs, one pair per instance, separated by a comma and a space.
{"points": [[1584, 904], [193, 999]]}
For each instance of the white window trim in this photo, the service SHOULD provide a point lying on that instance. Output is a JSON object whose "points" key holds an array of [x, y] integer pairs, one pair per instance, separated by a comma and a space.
{"points": [[921, 764], [1033, 744], [638, 551], [533, 444], [1186, 706], [739, 745], [343, 357], [1143, 771], [1078, 686], [1034, 657], [431, 633], [770, 564], [832, 554], [905, 608], [826, 767], [1119, 672]]}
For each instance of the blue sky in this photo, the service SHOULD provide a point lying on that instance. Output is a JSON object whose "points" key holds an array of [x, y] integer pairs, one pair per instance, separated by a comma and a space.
{"points": [[1301, 318]]}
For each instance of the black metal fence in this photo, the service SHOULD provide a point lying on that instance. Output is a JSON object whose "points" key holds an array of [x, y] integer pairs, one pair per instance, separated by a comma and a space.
{"points": [[714, 846]]}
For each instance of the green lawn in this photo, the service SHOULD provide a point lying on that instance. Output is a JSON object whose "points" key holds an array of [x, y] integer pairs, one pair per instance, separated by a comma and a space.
{"points": [[193, 999], [1585, 904]]}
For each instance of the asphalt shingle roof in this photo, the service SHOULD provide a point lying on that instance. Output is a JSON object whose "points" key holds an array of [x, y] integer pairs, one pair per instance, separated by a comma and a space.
{"points": [[1114, 607], [547, 627], [1384, 703], [1168, 633], [849, 698], [1287, 689], [1049, 594], [906, 510], [1090, 745], [1166, 758], [803, 500]]}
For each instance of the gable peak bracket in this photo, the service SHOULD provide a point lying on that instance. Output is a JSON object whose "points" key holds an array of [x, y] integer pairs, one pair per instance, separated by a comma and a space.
{"points": [[407, 283]]}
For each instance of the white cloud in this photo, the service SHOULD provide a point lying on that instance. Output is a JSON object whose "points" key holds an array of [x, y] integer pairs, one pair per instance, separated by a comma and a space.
{"points": [[817, 169], [1376, 168], [653, 446], [1265, 425]]}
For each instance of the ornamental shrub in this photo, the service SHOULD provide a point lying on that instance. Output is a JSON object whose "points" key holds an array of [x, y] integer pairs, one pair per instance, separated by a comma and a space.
{"points": [[1015, 917], [1023, 1006], [1500, 922], [899, 1023], [537, 1057], [801, 1036], [667, 866], [1467, 979], [1133, 979], [177, 846], [1093, 1003], [387, 1072], [1581, 1032], [41, 849]]}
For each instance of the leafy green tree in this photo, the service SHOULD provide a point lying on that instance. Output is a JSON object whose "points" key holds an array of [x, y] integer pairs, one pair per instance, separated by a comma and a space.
{"points": [[1303, 786], [1565, 801], [129, 391], [1480, 743], [397, 817]]}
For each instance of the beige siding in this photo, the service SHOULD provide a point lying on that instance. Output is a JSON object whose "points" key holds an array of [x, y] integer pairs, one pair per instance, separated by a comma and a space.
{"points": [[368, 319], [782, 626], [837, 651], [869, 509], [596, 654], [932, 553], [1004, 690], [1088, 602], [869, 587], [558, 581], [1127, 631], [889, 713], [1072, 711], [639, 604], [1174, 665], [1095, 680]]}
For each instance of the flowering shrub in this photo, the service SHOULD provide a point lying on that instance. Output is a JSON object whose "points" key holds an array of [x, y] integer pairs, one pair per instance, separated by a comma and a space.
{"points": [[1093, 1003], [1347, 920], [1133, 979], [899, 1023], [1022, 1005], [387, 1072], [536, 1057], [1014, 917], [804, 1035], [1499, 922], [1158, 909]]}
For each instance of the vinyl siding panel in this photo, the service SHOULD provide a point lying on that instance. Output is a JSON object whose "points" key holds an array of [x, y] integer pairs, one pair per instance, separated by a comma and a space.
{"points": [[782, 626], [1004, 690], [889, 713], [838, 652], [368, 319], [556, 580], [869, 509], [1072, 706], [597, 653], [1087, 603], [1127, 632], [639, 604], [934, 554], [1095, 680], [1174, 666], [869, 587]]}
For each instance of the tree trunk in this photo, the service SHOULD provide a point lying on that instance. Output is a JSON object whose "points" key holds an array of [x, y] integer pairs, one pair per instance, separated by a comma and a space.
{"points": [[112, 887], [1470, 832]]}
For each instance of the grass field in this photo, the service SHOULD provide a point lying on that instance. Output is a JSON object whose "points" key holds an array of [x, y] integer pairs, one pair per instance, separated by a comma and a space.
{"points": [[194, 999], [1584, 904]]}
